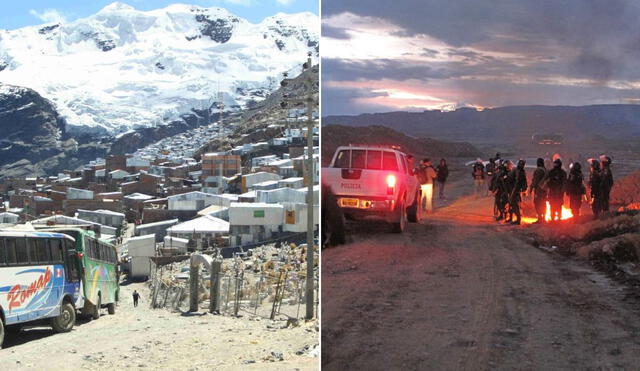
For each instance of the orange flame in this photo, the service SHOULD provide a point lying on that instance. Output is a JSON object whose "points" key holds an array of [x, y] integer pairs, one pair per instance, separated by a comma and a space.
{"points": [[564, 214]]}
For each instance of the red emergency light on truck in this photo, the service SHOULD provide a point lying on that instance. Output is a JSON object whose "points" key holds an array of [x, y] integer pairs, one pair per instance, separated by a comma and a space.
{"points": [[374, 183]]}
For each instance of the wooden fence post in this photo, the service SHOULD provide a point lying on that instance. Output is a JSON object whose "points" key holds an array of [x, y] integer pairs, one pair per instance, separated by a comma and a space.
{"points": [[214, 288], [193, 284]]}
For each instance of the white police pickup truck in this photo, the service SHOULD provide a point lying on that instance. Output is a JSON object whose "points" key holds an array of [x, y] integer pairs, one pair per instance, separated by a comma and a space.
{"points": [[372, 182]]}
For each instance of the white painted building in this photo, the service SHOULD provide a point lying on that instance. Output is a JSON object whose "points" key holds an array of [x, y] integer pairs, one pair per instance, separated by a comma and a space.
{"points": [[9, 218], [79, 194], [104, 217], [191, 201], [295, 182], [248, 180], [281, 195], [202, 227], [254, 222]]}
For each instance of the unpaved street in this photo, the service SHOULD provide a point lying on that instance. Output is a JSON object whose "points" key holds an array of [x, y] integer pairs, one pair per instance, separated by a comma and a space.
{"points": [[459, 291], [142, 338]]}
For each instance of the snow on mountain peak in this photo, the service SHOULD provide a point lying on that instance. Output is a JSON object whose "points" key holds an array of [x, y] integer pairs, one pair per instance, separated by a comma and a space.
{"points": [[116, 6], [123, 68]]}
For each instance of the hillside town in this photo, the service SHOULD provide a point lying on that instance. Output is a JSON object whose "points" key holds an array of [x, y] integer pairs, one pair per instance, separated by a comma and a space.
{"points": [[233, 200]]}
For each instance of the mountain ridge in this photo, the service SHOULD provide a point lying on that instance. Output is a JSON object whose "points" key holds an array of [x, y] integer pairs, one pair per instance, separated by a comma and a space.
{"points": [[122, 68]]}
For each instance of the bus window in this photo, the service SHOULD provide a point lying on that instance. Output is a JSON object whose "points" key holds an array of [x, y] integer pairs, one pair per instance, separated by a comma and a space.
{"points": [[2, 253], [22, 256], [42, 252], [70, 265], [56, 250], [10, 248]]}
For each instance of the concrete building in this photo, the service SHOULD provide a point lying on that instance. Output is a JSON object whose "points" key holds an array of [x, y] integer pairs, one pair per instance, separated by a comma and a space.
{"points": [[249, 180], [295, 217], [191, 201], [9, 218], [281, 195], [199, 228], [254, 222], [297, 182], [216, 164], [79, 194], [140, 249], [265, 186], [159, 229], [104, 217]]}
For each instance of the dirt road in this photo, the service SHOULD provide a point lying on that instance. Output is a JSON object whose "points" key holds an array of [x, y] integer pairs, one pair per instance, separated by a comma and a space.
{"points": [[459, 292], [143, 338]]}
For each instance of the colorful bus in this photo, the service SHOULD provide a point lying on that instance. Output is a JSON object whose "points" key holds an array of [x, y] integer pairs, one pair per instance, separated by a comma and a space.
{"points": [[39, 281], [98, 264]]}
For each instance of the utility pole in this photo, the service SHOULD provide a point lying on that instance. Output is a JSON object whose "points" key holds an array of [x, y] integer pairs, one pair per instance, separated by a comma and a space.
{"points": [[309, 101]]}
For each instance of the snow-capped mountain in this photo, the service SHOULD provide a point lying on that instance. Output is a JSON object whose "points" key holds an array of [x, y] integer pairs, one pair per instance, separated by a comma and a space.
{"points": [[122, 68]]}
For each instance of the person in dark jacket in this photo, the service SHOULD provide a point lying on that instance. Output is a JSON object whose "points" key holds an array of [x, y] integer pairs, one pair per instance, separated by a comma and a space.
{"points": [[556, 180], [507, 182], [575, 188], [442, 173], [539, 190], [498, 187], [595, 182], [518, 180], [478, 176], [607, 182]]}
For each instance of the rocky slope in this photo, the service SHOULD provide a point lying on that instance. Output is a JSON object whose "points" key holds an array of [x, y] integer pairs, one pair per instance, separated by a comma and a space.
{"points": [[34, 140]]}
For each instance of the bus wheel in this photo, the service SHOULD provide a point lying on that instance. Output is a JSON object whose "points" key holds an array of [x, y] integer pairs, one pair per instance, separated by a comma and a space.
{"points": [[96, 309], [65, 321], [1, 333], [111, 307]]}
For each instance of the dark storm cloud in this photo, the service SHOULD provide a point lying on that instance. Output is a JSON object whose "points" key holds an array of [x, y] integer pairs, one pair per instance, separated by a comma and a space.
{"points": [[334, 32], [380, 69], [605, 35], [338, 100]]}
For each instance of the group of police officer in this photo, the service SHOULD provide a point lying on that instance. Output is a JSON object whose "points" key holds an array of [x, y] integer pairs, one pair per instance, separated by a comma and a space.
{"points": [[508, 183]]}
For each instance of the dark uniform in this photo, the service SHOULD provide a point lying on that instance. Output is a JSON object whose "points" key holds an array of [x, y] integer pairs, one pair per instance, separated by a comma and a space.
{"points": [[518, 184], [607, 183], [595, 188], [556, 179], [499, 186], [539, 190], [575, 188]]}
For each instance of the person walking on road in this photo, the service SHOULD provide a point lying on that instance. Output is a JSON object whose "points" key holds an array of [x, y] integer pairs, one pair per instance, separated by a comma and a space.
{"points": [[556, 181], [478, 176], [442, 173], [539, 190], [136, 297], [575, 189], [426, 174]]}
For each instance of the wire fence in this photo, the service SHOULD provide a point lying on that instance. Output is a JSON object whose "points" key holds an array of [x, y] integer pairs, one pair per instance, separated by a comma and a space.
{"points": [[272, 294]]}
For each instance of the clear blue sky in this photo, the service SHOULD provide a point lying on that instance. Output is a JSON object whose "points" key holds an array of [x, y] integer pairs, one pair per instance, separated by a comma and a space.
{"points": [[20, 13]]}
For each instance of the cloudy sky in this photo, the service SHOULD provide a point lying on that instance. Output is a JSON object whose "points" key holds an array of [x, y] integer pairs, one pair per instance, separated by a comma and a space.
{"points": [[382, 56], [16, 14]]}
